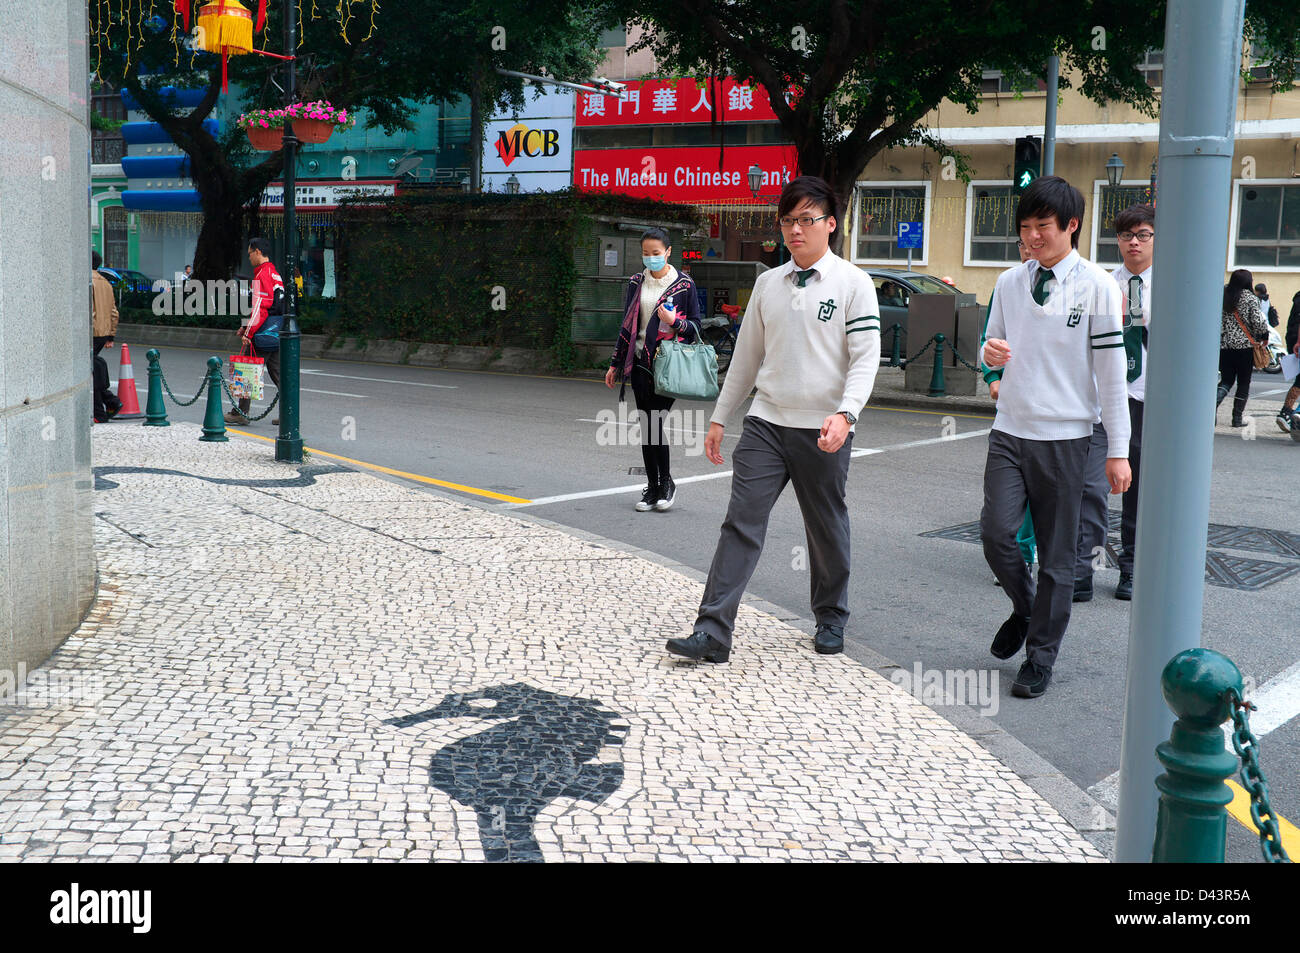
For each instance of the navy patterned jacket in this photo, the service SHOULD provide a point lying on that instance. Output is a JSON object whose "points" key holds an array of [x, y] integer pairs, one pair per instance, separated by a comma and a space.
{"points": [[687, 304]]}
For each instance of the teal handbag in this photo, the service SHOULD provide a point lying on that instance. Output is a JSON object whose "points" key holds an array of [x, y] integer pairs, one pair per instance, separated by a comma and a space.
{"points": [[688, 371]]}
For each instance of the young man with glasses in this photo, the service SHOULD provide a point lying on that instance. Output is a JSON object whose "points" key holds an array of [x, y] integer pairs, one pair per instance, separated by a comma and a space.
{"points": [[810, 345], [1055, 329], [1135, 227]]}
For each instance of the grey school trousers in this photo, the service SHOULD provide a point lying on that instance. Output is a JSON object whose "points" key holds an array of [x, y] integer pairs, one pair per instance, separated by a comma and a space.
{"points": [[1094, 508], [766, 458], [1048, 475]]}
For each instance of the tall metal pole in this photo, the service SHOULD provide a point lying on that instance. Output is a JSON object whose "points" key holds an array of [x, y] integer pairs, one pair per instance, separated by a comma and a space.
{"points": [[288, 445], [1049, 124], [1202, 52]]}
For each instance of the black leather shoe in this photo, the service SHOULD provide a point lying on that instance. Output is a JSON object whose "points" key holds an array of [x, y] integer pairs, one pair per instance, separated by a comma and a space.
{"points": [[700, 646], [1010, 637], [829, 640], [1124, 590], [1031, 681], [1083, 590]]}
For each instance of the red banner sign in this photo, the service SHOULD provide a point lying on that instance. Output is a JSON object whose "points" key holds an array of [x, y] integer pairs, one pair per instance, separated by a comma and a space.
{"points": [[684, 174], [653, 101]]}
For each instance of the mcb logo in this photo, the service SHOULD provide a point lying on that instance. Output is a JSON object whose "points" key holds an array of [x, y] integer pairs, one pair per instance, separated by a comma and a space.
{"points": [[519, 139]]}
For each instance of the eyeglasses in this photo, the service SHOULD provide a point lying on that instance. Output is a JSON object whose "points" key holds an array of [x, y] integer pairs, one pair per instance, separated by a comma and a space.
{"points": [[1019, 243], [1143, 237], [804, 221]]}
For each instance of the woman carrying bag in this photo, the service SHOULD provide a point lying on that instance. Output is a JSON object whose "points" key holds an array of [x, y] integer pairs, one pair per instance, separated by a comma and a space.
{"points": [[1244, 328], [658, 303]]}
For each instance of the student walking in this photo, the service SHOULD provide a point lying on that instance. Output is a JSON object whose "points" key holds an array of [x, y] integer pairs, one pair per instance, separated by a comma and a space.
{"points": [[659, 302], [1055, 329], [810, 344], [1244, 326], [1286, 418]]}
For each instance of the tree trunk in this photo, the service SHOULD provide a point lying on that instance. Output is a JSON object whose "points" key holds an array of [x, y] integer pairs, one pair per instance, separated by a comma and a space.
{"points": [[476, 132]]}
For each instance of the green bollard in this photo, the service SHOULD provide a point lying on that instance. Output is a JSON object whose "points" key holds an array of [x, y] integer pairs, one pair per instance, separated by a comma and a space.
{"points": [[155, 410], [214, 422], [936, 379], [1192, 820], [895, 352]]}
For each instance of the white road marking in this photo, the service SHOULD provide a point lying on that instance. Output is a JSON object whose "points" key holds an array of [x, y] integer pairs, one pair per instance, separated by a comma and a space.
{"points": [[721, 474], [378, 380], [332, 393], [1278, 702], [667, 429]]}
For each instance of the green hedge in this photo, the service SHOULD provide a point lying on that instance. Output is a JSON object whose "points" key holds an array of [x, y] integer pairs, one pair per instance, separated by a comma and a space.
{"points": [[312, 318]]}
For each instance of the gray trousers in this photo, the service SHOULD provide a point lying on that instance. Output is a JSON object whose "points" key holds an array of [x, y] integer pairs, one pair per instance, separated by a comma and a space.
{"points": [[1094, 508], [1048, 475], [766, 458]]}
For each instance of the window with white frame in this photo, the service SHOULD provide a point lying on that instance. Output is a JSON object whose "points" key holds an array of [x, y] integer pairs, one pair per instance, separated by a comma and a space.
{"points": [[1267, 230], [992, 231], [1110, 201], [880, 207], [995, 81], [1152, 67]]}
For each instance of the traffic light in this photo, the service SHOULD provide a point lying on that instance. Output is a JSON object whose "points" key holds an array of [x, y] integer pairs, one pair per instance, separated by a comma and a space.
{"points": [[1028, 158]]}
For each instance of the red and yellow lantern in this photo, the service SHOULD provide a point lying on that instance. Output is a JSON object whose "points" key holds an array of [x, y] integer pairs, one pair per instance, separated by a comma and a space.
{"points": [[226, 27]]}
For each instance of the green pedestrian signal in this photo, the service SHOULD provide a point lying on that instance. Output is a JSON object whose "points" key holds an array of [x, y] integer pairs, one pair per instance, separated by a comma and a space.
{"points": [[1027, 165]]}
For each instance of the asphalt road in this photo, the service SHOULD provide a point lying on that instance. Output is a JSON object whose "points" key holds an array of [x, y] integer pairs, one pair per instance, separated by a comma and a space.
{"points": [[560, 444]]}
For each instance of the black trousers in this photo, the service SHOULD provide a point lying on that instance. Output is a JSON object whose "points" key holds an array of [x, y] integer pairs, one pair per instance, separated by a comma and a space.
{"points": [[103, 397], [652, 407], [1129, 513], [1237, 365]]}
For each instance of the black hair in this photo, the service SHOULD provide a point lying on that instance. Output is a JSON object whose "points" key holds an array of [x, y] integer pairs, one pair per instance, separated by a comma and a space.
{"points": [[816, 190], [656, 235], [1052, 196], [1133, 216], [95, 260], [1239, 283], [261, 245], [1261, 289]]}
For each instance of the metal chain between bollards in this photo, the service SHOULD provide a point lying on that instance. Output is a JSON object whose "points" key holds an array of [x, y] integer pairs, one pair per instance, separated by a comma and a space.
{"points": [[963, 360], [175, 399], [235, 403], [928, 344], [1246, 745]]}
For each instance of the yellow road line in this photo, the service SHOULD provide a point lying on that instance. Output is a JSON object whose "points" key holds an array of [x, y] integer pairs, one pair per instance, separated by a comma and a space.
{"points": [[1240, 810], [397, 473]]}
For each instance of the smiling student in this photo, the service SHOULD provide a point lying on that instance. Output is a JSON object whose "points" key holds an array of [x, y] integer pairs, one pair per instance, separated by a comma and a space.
{"points": [[1055, 328]]}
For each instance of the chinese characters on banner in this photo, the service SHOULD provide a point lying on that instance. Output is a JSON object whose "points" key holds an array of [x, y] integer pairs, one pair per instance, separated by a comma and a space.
{"points": [[646, 102]]}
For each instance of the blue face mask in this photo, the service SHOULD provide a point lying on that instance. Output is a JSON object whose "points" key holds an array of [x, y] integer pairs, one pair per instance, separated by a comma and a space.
{"points": [[654, 262]]}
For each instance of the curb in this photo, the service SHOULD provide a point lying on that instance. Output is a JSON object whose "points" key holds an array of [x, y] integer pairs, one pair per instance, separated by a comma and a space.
{"points": [[1088, 816]]}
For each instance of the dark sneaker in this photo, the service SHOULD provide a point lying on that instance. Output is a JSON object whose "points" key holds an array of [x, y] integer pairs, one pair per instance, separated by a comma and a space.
{"points": [[234, 417], [1083, 590], [829, 640], [648, 500], [1010, 637], [1124, 590], [1031, 681], [700, 646], [667, 493], [275, 421], [1284, 421]]}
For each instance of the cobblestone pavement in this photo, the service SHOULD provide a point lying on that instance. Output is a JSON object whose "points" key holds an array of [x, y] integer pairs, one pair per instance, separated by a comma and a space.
{"points": [[312, 662]]}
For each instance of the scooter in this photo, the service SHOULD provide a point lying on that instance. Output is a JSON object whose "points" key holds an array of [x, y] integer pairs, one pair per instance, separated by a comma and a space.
{"points": [[1276, 350]]}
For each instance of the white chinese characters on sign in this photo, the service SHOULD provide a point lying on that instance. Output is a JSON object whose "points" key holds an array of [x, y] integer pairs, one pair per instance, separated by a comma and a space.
{"points": [[740, 98], [665, 100], [594, 105], [704, 101], [633, 98]]}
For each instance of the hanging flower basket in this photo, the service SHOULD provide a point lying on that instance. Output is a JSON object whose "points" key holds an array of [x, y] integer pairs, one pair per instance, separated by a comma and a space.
{"points": [[769, 245], [313, 123]]}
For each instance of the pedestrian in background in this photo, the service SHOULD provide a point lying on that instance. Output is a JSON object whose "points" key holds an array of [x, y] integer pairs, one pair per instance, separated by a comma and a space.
{"points": [[1265, 306], [810, 344], [103, 322], [658, 303], [1243, 327], [268, 298], [1055, 327], [1286, 419]]}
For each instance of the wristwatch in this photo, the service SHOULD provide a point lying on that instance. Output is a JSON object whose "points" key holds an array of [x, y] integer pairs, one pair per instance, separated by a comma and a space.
{"points": [[851, 418]]}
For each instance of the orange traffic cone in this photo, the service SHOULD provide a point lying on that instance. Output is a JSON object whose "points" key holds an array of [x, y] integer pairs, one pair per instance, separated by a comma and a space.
{"points": [[126, 389]]}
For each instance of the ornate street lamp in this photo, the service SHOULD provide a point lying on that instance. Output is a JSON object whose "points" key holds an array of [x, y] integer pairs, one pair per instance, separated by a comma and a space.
{"points": [[512, 184], [1114, 169], [755, 179]]}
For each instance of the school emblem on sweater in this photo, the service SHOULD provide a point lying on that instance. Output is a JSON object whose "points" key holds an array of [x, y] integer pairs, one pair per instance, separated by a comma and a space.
{"points": [[826, 310], [1076, 314]]}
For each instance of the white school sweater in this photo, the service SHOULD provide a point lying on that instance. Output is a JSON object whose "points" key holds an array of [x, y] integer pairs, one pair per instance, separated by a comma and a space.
{"points": [[809, 351], [1067, 355]]}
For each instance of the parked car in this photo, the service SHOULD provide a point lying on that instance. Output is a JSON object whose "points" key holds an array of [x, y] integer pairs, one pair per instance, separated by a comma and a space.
{"points": [[893, 291], [125, 280]]}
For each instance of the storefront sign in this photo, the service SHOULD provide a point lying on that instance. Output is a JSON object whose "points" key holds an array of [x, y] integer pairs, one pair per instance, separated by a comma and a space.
{"points": [[655, 101], [686, 174], [324, 195]]}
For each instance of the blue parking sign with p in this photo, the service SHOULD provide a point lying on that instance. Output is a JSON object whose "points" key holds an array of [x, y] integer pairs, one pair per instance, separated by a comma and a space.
{"points": [[910, 235]]}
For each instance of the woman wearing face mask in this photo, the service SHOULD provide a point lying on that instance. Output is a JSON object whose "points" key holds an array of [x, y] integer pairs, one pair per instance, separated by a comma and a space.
{"points": [[658, 303]]}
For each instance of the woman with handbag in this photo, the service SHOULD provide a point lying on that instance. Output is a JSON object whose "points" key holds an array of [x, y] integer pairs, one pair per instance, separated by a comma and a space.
{"points": [[659, 302], [1241, 342]]}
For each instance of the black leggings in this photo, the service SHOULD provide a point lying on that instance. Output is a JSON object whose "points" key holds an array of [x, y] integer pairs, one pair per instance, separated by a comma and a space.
{"points": [[654, 448], [1236, 365]]}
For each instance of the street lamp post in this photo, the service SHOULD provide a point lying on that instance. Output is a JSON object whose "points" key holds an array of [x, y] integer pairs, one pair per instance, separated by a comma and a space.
{"points": [[288, 445], [512, 184], [755, 176], [1114, 169]]}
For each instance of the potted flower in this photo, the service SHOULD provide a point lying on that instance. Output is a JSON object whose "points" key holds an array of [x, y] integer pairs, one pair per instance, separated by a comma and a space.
{"points": [[312, 123], [769, 244]]}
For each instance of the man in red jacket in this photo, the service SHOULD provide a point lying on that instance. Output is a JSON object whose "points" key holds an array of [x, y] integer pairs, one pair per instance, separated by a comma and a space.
{"points": [[268, 296]]}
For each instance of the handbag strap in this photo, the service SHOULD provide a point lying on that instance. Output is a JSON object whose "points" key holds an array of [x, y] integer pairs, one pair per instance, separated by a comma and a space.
{"points": [[1253, 342]]}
